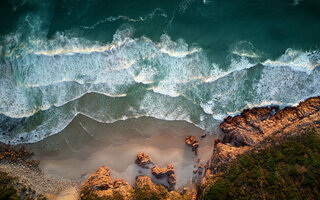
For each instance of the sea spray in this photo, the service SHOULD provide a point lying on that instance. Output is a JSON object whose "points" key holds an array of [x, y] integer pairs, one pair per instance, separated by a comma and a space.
{"points": [[46, 79]]}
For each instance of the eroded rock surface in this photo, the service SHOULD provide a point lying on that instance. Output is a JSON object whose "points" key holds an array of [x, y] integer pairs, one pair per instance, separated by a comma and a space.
{"points": [[224, 153], [168, 173], [193, 142], [172, 180], [254, 125], [101, 184], [245, 131], [143, 181], [162, 172], [144, 160]]}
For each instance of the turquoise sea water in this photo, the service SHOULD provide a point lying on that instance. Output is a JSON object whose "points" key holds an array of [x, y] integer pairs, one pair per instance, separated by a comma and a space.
{"points": [[191, 60]]}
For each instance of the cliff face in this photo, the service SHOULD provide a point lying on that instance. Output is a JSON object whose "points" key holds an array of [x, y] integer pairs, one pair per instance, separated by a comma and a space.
{"points": [[245, 131]]}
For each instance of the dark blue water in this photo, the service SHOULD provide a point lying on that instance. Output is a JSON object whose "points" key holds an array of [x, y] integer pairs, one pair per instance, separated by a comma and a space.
{"points": [[189, 60]]}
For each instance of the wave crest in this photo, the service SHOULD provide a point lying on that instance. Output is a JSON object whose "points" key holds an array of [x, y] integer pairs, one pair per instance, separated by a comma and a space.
{"points": [[46, 83]]}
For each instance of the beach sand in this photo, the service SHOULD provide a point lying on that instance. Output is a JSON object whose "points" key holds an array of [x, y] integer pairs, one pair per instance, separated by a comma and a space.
{"points": [[85, 145]]}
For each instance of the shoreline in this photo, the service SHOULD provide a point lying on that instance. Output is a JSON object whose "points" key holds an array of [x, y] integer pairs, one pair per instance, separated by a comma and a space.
{"points": [[242, 133], [163, 140]]}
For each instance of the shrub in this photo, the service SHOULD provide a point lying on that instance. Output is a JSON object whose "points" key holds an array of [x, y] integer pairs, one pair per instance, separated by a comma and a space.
{"points": [[287, 170], [7, 191]]}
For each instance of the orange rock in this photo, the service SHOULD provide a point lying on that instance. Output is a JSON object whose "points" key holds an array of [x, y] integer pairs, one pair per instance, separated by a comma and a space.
{"points": [[253, 125], [101, 184], [143, 160], [245, 131], [142, 181], [172, 180], [193, 142], [162, 172]]}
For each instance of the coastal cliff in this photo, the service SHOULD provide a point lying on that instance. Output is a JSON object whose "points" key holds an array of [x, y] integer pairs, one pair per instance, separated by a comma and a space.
{"points": [[267, 153], [252, 127]]}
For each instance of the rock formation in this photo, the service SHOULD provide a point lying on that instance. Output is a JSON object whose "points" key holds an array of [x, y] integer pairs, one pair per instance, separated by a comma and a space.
{"points": [[253, 125], [143, 181], [100, 184], [162, 172], [172, 180], [144, 160], [224, 153], [193, 142], [12, 154], [168, 173], [245, 131]]}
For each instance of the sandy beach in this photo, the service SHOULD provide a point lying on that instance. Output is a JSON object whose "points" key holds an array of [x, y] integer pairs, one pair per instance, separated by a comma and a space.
{"points": [[85, 145]]}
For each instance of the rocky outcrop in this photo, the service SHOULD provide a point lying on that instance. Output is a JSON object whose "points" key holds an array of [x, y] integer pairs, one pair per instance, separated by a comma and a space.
{"points": [[247, 130], [193, 142], [168, 173], [254, 125], [224, 153], [162, 172], [145, 181], [101, 185], [145, 184], [144, 160], [172, 180], [14, 155]]}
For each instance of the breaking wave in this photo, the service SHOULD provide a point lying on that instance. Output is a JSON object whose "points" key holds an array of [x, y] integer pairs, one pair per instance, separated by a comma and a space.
{"points": [[45, 83]]}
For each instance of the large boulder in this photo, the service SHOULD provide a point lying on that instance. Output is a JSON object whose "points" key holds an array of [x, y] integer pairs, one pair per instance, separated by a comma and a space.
{"points": [[146, 189], [162, 172], [172, 180], [100, 184], [145, 181], [144, 160], [99, 180], [193, 142], [167, 173]]}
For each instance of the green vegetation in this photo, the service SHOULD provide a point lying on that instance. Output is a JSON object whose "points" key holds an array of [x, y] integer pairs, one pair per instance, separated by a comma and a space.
{"points": [[159, 192], [7, 191], [287, 170], [146, 193], [87, 194]]}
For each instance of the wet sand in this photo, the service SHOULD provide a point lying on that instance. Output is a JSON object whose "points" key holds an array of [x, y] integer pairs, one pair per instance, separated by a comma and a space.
{"points": [[85, 145]]}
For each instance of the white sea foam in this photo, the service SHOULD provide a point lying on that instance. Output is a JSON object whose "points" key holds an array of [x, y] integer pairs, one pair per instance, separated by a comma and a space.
{"points": [[297, 60], [49, 82], [155, 12]]}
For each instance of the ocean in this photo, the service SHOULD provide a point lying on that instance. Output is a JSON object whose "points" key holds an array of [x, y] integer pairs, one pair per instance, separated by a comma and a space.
{"points": [[196, 61]]}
